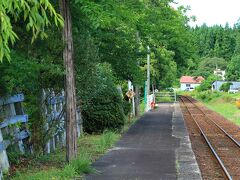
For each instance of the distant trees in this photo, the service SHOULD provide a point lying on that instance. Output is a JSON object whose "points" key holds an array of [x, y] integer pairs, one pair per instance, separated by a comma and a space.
{"points": [[208, 65], [215, 41], [233, 70], [217, 46]]}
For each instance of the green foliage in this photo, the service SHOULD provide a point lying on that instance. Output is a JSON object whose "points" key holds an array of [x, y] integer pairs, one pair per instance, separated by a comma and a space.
{"points": [[102, 105], [207, 83], [225, 87], [53, 166], [233, 70], [215, 41], [29, 73], [164, 99], [35, 14], [208, 65], [225, 105], [110, 40], [123, 30], [163, 68], [215, 46], [82, 164], [206, 96], [14, 156], [126, 107], [107, 140]]}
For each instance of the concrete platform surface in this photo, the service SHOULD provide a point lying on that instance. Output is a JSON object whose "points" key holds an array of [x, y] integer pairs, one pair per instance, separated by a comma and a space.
{"points": [[156, 147]]}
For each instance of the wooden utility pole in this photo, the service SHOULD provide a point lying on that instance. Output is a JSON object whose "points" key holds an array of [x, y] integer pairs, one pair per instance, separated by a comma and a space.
{"points": [[137, 101], [70, 89]]}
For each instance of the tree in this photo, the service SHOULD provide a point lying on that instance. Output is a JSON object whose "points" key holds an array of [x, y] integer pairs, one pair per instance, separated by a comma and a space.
{"points": [[225, 86], [208, 65], [35, 14], [207, 83], [233, 69], [70, 89]]}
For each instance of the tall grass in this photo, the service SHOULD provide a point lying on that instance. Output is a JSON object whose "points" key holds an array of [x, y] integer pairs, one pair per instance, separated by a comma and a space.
{"points": [[221, 102], [107, 140]]}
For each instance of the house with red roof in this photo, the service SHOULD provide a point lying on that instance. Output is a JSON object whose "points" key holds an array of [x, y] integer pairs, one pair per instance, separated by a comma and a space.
{"points": [[189, 83]]}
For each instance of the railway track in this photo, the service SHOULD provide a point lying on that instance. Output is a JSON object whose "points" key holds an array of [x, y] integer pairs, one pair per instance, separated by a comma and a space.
{"points": [[224, 147]]}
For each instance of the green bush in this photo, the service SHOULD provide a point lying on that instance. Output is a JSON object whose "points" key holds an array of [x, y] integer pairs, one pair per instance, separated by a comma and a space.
{"points": [[206, 95], [225, 87], [102, 107], [103, 112], [126, 107], [207, 83]]}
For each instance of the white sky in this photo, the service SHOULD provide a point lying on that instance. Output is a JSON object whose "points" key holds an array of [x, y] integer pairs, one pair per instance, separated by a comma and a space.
{"points": [[213, 11]]}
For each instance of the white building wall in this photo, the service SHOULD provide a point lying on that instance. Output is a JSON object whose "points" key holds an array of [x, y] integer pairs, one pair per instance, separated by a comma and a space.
{"points": [[184, 86]]}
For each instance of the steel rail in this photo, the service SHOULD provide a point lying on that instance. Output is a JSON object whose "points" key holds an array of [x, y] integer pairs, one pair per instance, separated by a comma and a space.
{"points": [[226, 133], [209, 144]]}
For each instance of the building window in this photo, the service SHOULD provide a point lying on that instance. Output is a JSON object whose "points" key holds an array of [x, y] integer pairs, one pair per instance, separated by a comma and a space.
{"points": [[188, 85]]}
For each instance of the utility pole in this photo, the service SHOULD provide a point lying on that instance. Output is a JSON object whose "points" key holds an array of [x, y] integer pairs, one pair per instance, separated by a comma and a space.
{"points": [[70, 87], [148, 71], [137, 90], [147, 108]]}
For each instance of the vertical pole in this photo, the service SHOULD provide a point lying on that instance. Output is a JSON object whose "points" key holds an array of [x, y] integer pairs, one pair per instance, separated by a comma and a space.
{"points": [[175, 94], [145, 93], [4, 164], [16, 130], [130, 87], [70, 86], [133, 106], [137, 101], [148, 79], [153, 90], [148, 71]]}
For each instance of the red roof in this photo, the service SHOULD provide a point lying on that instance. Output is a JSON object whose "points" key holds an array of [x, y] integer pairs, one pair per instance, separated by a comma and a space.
{"points": [[191, 80]]}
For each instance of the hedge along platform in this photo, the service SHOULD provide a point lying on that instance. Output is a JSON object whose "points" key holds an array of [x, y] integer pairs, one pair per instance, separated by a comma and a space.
{"points": [[157, 146]]}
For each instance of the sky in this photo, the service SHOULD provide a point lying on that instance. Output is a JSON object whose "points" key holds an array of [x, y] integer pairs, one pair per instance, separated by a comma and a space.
{"points": [[213, 12]]}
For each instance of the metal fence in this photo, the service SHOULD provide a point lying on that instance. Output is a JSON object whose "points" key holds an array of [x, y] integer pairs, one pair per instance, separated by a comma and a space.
{"points": [[165, 97]]}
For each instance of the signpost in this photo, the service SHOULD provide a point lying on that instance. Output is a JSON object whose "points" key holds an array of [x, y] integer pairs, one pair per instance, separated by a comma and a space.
{"points": [[130, 94]]}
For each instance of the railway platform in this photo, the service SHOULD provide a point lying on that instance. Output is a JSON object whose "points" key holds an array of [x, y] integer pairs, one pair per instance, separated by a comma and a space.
{"points": [[156, 147]]}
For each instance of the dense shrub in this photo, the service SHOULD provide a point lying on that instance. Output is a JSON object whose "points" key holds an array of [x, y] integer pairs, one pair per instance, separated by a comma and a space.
{"points": [[103, 112], [225, 86], [207, 83], [126, 107], [206, 95], [102, 107]]}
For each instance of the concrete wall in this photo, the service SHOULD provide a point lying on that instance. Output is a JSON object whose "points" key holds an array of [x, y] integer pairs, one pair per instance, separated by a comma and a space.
{"points": [[217, 84]]}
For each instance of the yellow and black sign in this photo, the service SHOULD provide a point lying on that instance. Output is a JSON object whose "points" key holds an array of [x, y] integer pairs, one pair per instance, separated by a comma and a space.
{"points": [[130, 94]]}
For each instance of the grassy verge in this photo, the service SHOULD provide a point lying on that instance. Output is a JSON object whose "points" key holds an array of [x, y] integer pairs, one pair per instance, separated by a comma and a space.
{"points": [[223, 103], [53, 166]]}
